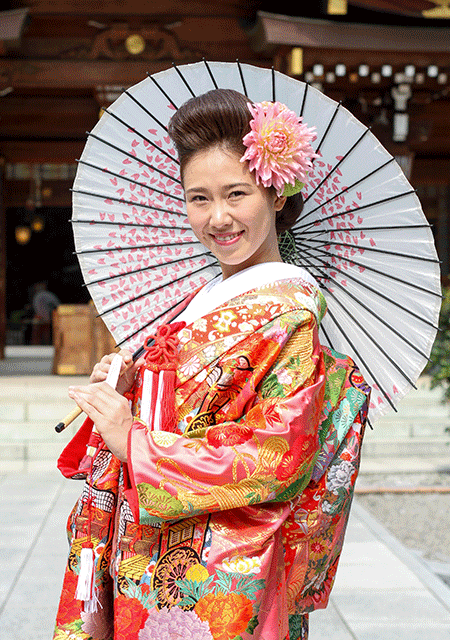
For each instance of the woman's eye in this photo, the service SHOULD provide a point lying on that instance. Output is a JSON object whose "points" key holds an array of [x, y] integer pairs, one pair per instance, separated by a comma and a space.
{"points": [[236, 194]]}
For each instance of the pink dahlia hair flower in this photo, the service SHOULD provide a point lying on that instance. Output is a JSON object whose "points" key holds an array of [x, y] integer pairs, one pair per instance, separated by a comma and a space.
{"points": [[279, 147]]}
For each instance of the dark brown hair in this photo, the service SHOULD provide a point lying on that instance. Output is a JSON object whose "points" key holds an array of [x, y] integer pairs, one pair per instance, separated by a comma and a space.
{"points": [[221, 118]]}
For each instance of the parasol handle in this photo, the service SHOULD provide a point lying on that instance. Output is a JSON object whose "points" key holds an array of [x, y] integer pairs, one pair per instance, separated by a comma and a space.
{"points": [[70, 417]]}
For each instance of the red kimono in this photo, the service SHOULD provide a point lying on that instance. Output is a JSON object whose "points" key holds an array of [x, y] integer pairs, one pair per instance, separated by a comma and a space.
{"points": [[231, 526]]}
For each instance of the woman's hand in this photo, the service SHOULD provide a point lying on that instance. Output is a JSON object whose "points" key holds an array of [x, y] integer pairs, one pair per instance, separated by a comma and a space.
{"points": [[109, 411], [107, 407], [127, 375]]}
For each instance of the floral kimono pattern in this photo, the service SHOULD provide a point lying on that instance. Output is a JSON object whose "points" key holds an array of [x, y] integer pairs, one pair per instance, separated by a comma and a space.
{"points": [[230, 527]]}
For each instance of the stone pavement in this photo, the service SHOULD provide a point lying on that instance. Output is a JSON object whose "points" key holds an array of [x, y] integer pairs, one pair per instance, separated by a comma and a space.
{"points": [[382, 590]]}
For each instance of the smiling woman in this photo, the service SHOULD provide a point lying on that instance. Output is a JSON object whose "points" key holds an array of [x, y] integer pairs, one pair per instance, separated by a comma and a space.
{"points": [[231, 525]]}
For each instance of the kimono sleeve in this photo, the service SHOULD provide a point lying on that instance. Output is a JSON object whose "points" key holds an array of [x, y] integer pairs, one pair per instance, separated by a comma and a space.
{"points": [[267, 454]]}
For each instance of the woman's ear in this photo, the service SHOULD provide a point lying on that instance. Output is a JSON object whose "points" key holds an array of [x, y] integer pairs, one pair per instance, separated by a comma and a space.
{"points": [[279, 202]]}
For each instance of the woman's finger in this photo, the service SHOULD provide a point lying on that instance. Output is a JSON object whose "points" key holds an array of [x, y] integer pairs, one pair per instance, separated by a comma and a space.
{"points": [[129, 370], [100, 370], [127, 357], [100, 395], [109, 411], [88, 403], [102, 404]]}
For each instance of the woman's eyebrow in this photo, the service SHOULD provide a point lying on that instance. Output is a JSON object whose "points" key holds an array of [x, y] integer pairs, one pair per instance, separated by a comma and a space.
{"points": [[237, 184], [226, 187], [197, 189]]}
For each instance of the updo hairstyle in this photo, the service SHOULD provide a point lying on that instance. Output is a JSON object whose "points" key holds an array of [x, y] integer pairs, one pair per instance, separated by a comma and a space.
{"points": [[221, 117]]}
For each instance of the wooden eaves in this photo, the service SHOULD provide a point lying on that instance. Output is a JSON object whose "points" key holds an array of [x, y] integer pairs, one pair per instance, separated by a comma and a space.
{"points": [[272, 31]]}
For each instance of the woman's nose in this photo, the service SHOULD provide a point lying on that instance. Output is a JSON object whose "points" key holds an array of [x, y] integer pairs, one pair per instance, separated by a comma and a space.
{"points": [[220, 215]]}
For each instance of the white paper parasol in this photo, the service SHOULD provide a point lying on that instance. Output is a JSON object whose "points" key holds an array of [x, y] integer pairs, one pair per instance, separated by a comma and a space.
{"points": [[362, 233]]}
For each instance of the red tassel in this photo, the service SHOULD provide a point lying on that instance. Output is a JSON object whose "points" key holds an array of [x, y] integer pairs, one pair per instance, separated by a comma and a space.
{"points": [[162, 348], [161, 358], [168, 416]]}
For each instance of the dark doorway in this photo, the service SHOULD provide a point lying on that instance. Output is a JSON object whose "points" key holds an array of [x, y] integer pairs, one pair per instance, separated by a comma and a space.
{"points": [[47, 256]]}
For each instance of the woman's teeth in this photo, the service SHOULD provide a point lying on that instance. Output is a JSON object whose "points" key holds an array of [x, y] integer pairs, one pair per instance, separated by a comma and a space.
{"points": [[227, 238]]}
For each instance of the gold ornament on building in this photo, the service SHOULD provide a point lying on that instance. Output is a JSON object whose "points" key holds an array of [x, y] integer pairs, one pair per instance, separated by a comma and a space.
{"points": [[442, 10], [135, 44], [337, 7], [295, 61]]}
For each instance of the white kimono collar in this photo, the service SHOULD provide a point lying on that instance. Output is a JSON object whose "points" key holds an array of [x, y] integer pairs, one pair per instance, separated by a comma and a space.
{"points": [[218, 291]]}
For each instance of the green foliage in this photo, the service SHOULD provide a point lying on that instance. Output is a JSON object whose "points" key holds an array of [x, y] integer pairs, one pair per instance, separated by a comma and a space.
{"points": [[439, 366], [252, 625], [271, 387], [193, 591], [223, 582]]}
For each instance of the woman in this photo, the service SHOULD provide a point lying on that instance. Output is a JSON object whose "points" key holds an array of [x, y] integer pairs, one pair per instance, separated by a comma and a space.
{"points": [[225, 520]]}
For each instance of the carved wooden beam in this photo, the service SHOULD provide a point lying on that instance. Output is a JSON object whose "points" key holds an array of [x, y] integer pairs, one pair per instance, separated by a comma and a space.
{"points": [[76, 74], [136, 7], [36, 151], [272, 31]]}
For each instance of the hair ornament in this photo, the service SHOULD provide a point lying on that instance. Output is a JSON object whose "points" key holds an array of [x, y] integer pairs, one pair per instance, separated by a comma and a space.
{"points": [[279, 147]]}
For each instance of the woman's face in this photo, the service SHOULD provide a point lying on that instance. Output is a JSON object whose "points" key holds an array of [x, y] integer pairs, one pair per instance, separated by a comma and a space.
{"points": [[228, 212]]}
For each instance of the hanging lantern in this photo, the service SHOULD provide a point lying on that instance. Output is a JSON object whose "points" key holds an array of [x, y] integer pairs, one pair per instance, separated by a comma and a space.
{"points": [[37, 223], [23, 234]]}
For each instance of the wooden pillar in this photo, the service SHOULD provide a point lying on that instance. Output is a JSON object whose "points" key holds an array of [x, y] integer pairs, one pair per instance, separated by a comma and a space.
{"points": [[2, 262]]}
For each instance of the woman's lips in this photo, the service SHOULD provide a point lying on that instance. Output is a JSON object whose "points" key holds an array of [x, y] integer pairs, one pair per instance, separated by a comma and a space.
{"points": [[227, 239]]}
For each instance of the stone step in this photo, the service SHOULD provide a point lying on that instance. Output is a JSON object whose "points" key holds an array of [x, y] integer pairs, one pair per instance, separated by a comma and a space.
{"points": [[31, 411], [32, 450], [422, 396], [438, 447], [28, 399], [409, 427], [42, 430], [414, 406], [40, 397], [31, 406]]}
